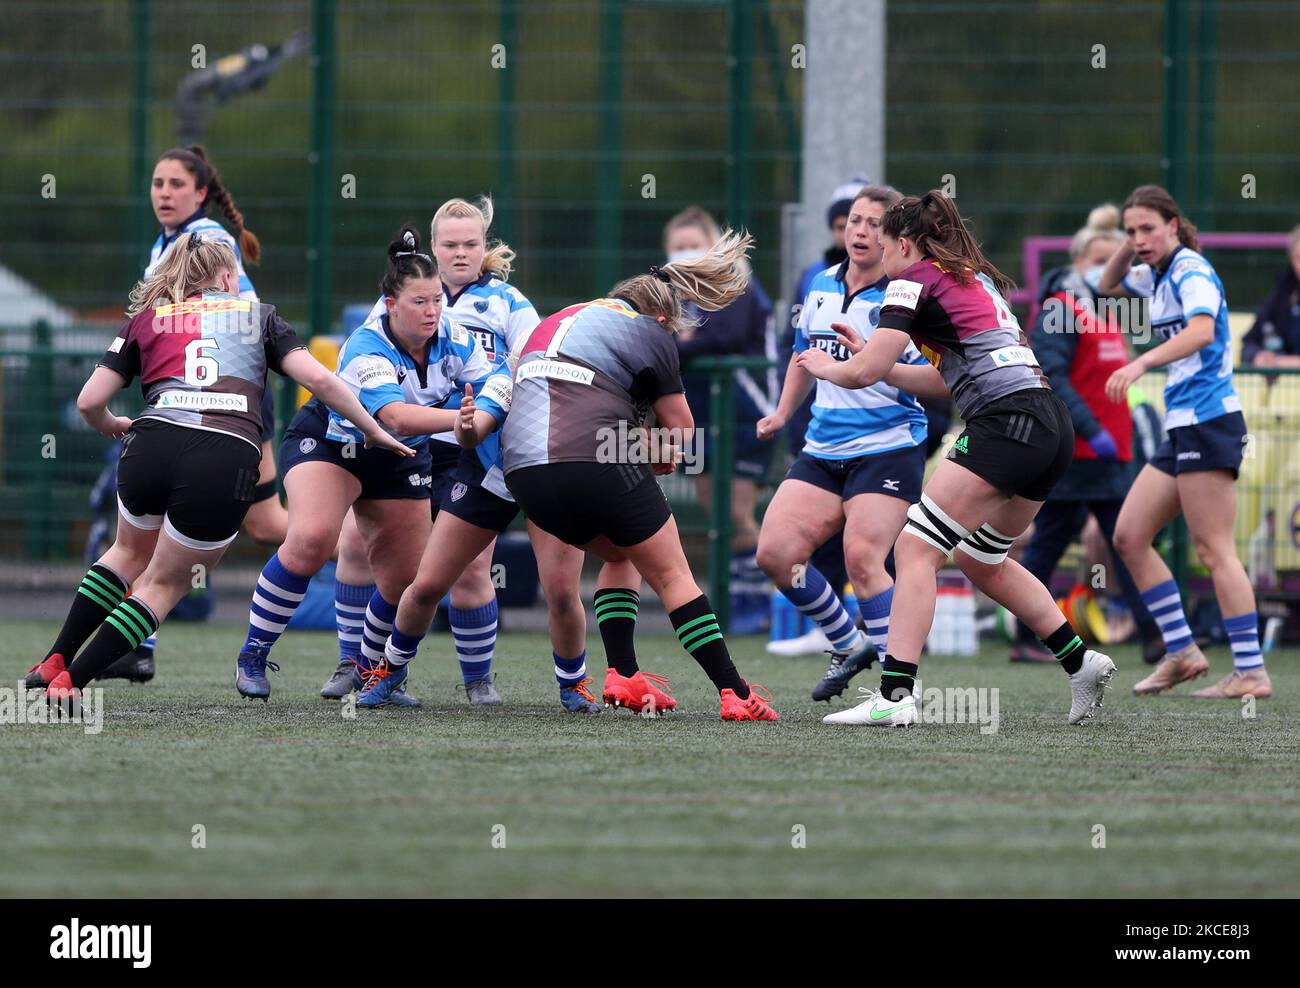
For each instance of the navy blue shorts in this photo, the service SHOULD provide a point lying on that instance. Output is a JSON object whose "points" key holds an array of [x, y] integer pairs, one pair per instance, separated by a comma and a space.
{"points": [[467, 499], [897, 473], [383, 475], [443, 458], [1218, 444]]}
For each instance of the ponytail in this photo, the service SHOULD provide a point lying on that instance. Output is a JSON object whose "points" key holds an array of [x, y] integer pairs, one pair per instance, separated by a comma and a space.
{"points": [[405, 261], [192, 263], [195, 161], [711, 281], [933, 223]]}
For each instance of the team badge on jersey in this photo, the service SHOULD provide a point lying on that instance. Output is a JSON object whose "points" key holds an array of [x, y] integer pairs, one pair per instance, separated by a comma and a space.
{"points": [[306, 446], [481, 306], [458, 491]]}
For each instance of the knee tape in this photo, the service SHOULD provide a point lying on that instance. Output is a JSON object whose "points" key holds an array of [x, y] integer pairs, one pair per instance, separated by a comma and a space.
{"points": [[929, 523], [987, 545]]}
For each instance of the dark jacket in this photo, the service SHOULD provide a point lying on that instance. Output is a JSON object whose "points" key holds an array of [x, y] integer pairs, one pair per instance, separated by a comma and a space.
{"points": [[1086, 479], [1277, 322], [741, 329]]}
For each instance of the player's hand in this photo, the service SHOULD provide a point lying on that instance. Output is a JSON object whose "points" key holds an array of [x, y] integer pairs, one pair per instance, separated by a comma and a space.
{"points": [[849, 337], [1118, 384], [667, 460], [465, 422], [769, 425], [382, 440], [1265, 358], [816, 362], [116, 426]]}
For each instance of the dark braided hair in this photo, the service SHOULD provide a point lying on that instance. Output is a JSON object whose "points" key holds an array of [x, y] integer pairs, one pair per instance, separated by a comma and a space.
{"points": [[933, 223], [195, 160], [405, 261]]}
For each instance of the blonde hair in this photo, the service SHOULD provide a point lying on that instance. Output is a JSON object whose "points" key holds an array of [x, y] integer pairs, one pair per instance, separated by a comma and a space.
{"points": [[498, 257], [712, 281], [1103, 224], [192, 263]]}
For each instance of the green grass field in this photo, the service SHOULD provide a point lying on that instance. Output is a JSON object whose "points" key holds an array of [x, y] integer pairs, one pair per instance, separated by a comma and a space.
{"points": [[1196, 799]]}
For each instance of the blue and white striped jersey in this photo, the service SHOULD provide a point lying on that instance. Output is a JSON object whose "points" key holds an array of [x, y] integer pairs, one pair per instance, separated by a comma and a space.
{"points": [[849, 422], [1199, 387], [494, 312], [495, 400], [208, 229], [374, 365]]}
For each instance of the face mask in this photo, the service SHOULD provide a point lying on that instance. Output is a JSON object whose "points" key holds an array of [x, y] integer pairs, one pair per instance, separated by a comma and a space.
{"points": [[684, 255], [1092, 277]]}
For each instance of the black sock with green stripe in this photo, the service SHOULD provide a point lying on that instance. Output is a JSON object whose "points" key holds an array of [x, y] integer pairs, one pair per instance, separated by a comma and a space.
{"points": [[698, 630], [897, 678], [616, 611], [1067, 647], [122, 631], [101, 590]]}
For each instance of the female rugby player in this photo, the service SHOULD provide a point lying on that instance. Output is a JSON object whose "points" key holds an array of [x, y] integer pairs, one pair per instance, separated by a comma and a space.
{"points": [[862, 462], [476, 295], [402, 364], [947, 298], [190, 462], [1195, 470], [573, 451]]}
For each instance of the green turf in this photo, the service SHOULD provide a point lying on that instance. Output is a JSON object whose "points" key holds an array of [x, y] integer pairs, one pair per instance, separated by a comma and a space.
{"points": [[1196, 799]]}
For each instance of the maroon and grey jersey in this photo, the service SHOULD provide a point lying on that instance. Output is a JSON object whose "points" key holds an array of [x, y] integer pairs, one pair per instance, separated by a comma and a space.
{"points": [[202, 363], [582, 372], [967, 331]]}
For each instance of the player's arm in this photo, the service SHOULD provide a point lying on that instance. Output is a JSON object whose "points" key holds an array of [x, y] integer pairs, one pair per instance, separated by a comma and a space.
{"points": [[1112, 276], [922, 380], [866, 367], [302, 367], [99, 389], [674, 418]]}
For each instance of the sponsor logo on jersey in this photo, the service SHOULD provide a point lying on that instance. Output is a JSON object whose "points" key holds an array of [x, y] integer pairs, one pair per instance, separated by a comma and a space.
{"points": [[116, 345], [204, 305], [1191, 454], [200, 401], [498, 389], [1014, 356], [416, 480], [962, 445], [306, 446], [902, 293], [371, 372], [458, 491], [557, 369]]}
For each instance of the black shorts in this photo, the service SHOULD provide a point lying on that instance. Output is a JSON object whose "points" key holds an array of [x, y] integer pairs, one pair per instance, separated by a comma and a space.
{"points": [[897, 473], [1021, 443], [383, 475], [194, 484], [467, 499], [576, 502], [443, 458], [1218, 444]]}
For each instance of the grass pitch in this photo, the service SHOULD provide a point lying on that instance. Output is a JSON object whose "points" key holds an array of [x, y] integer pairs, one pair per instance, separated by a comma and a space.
{"points": [[294, 800]]}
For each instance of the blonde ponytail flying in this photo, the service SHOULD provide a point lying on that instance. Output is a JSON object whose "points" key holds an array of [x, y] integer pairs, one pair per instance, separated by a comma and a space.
{"points": [[712, 281]]}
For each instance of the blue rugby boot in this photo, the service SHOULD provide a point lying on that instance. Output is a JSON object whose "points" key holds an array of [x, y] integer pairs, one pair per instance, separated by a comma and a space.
{"points": [[250, 675], [577, 699], [844, 666], [383, 686]]}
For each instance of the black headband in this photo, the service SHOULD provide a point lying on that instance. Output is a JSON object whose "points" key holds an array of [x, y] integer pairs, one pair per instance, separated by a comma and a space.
{"points": [[661, 274]]}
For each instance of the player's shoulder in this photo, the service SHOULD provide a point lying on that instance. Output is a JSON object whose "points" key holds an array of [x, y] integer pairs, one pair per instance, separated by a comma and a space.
{"points": [[906, 289], [827, 280], [209, 229], [1187, 263], [369, 339], [492, 287]]}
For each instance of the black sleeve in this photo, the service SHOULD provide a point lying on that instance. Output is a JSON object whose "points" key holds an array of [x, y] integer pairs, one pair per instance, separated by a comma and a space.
{"points": [[280, 340], [663, 375], [123, 354]]}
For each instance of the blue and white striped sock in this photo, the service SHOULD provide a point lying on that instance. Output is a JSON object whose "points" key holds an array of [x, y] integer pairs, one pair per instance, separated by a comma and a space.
{"points": [[570, 672], [1166, 607], [350, 600], [1243, 635], [401, 647], [816, 599], [276, 596], [375, 629], [875, 615], [475, 633], [149, 644]]}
